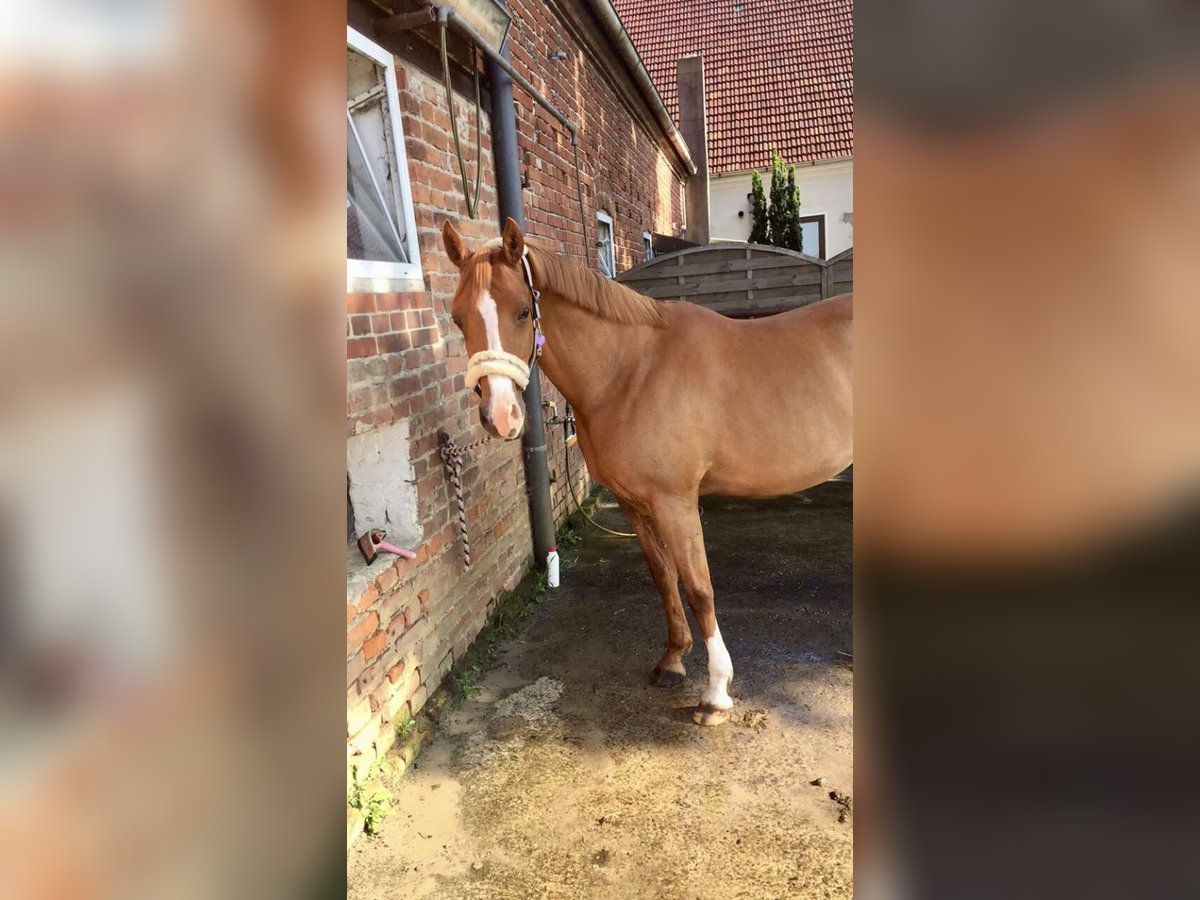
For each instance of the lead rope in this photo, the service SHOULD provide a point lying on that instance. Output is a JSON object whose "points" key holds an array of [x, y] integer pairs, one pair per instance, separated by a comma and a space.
{"points": [[571, 486], [452, 456]]}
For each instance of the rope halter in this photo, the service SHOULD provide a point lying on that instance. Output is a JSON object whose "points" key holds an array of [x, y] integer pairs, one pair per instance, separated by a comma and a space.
{"points": [[501, 362]]}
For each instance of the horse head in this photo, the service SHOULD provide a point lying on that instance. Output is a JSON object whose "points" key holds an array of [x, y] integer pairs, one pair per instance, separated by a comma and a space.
{"points": [[492, 307]]}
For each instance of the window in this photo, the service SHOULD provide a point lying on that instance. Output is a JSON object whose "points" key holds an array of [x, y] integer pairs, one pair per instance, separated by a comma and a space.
{"points": [[381, 234], [647, 246], [812, 236], [604, 244]]}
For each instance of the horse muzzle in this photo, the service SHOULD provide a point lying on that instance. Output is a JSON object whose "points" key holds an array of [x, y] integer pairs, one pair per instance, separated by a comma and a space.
{"points": [[502, 412]]}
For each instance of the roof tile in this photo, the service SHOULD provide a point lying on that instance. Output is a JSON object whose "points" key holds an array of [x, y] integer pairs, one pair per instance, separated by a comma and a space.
{"points": [[795, 58]]}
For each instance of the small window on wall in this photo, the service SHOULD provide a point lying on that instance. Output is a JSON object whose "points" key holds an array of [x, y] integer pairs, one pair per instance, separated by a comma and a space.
{"points": [[381, 234], [647, 246], [812, 236], [604, 245]]}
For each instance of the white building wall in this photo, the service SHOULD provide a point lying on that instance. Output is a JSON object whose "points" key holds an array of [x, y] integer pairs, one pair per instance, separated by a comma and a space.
{"points": [[826, 188]]}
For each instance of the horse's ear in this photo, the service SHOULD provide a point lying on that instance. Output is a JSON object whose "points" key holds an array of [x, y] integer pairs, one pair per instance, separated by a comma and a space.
{"points": [[513, 242], [453, 242]]}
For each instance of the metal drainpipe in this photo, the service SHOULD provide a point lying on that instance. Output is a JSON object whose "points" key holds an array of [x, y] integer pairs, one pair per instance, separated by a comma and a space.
{"points": [[511, 203]]}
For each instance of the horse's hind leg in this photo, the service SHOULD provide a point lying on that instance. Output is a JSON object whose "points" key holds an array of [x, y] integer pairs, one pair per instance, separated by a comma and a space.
{"points": [[677, 522], [670, 670]]}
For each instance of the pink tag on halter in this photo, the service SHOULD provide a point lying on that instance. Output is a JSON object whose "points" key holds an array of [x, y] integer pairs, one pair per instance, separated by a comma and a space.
{"points": [[541, 340]]}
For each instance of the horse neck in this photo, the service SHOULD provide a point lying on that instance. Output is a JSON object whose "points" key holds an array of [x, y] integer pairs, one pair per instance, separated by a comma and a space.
{"points": [[586, 356]]}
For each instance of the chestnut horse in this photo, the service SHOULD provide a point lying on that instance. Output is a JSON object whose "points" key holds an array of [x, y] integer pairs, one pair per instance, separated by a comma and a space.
{"points": [[672, 402]]}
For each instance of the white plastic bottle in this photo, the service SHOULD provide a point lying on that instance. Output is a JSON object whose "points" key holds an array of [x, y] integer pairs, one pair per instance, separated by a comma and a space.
{"points": [[552, 567]]}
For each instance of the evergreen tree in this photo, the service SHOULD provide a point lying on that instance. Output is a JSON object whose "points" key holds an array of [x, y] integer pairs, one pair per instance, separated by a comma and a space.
{"points": [[759, 230], [777, 216], [792, 233]]}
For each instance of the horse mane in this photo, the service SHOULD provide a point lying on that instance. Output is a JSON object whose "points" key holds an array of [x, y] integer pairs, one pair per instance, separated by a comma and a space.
{"points": [[592, 292]]}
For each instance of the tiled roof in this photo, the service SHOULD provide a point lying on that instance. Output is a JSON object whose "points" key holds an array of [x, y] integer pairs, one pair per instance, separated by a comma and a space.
{"points": [[779, 74]]}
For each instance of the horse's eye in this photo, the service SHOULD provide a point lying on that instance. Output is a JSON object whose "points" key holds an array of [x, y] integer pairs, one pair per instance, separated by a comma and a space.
{"points": [[524, 314]]}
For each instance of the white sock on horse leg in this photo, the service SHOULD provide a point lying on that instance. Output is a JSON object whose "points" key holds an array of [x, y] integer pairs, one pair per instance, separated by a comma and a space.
{"points": [[720, 672]]}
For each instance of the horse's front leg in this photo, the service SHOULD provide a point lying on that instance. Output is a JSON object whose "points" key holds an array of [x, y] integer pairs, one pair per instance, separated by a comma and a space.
{"points": [[677, 523], [669, 670]]}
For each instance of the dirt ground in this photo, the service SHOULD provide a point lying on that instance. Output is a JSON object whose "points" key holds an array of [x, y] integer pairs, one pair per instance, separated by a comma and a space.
{"points": [[570, 776]]}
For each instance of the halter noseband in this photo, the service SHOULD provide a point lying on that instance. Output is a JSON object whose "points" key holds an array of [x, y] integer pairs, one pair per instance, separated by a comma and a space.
{"points": [[500, 362]]}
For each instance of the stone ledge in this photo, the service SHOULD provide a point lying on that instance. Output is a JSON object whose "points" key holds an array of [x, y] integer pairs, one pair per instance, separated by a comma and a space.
{"points": [[360, 577]]}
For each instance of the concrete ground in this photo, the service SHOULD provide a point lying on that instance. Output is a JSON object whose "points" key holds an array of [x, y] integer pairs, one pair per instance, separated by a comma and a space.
{"points": [[569, 776]]}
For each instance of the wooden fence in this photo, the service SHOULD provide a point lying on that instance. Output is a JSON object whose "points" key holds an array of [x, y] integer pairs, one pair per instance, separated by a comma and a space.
{"points": [[742, 280]]}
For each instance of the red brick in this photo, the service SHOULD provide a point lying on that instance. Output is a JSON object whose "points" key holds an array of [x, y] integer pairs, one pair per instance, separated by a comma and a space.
{"points": [[359, 633], [374, 645], [425, 336], [394, 673], [356, 348], [360, 399], [393, 343], [368, 598], [386, 581]]}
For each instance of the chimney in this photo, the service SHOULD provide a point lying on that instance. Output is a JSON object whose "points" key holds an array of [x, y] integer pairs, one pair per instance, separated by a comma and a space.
{"points": [[689, 76]]}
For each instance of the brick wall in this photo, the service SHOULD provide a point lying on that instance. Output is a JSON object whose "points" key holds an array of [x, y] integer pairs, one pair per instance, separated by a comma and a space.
{"points": [[408, 621], [624, 171]]}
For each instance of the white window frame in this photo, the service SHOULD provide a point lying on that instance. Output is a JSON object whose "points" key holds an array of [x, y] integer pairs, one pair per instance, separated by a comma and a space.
{"points": [[647, 246], [602, 216], [377, 276]]}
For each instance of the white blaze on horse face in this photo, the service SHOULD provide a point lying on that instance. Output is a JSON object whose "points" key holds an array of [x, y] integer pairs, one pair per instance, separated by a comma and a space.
{"points": [[720, 672], [503, 408]]}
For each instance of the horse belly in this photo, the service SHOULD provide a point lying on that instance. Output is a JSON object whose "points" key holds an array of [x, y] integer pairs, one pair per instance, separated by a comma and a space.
{"points": [[783, 444], [774, 478]]}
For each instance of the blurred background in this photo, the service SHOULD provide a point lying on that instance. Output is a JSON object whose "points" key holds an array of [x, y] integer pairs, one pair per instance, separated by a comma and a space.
{"points": [[1028, 449], [172, 467], [171, 459]]}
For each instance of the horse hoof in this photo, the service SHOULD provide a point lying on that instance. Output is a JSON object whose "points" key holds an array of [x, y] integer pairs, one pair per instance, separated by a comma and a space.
{"points": [[707, 714], [665, 677]]}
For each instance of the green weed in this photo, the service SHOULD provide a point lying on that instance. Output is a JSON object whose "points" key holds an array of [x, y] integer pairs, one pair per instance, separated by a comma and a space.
{"points": [[405, 727], [467, 681], [374, 805], [378, 806], [540, 585]]}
